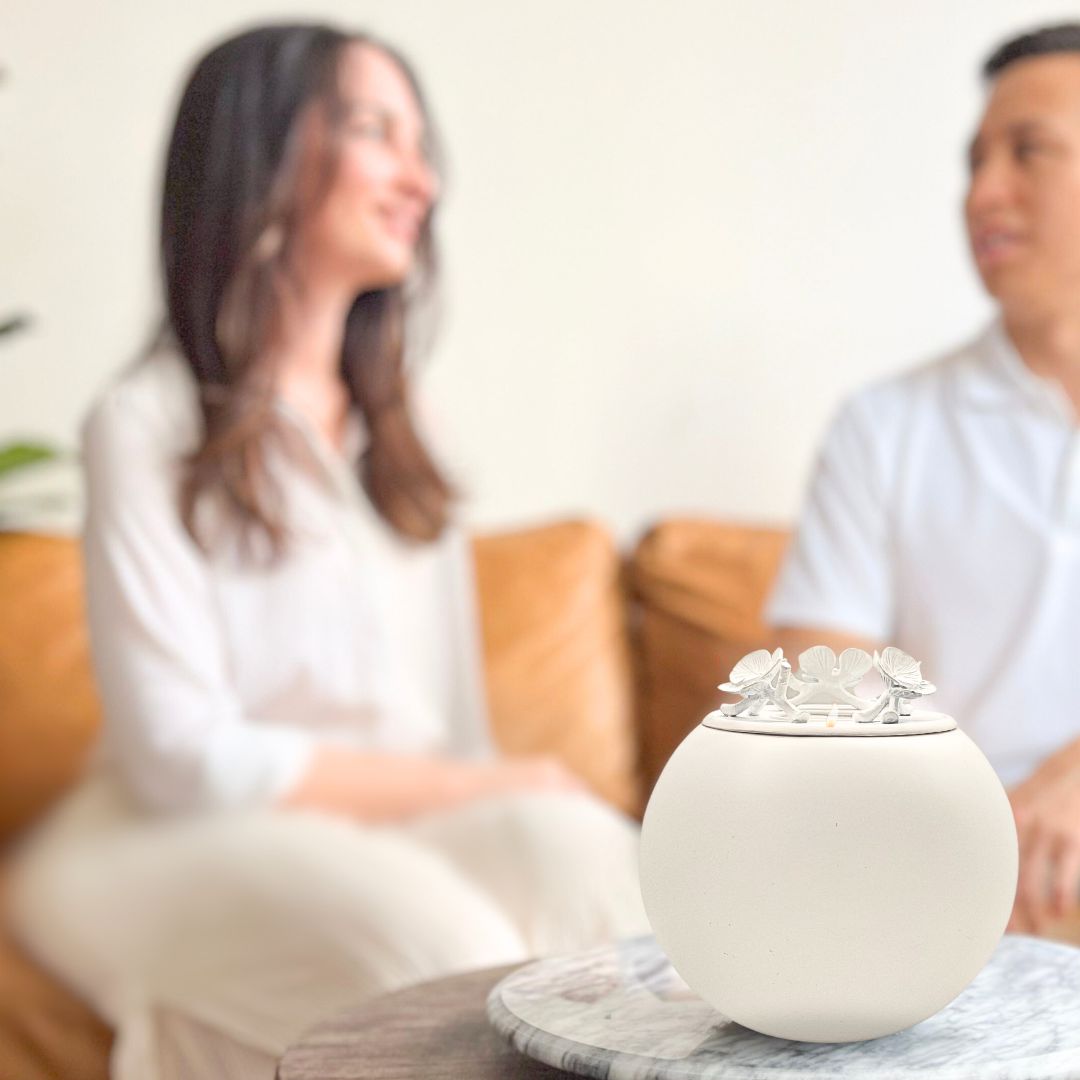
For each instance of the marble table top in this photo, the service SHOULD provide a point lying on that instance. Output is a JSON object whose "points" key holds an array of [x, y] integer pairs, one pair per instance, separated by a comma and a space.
{"points": [[622, 1013]]}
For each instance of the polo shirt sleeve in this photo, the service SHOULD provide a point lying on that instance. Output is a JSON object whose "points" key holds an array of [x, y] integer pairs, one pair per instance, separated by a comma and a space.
{"points": [[174, 725], [837, 573]]}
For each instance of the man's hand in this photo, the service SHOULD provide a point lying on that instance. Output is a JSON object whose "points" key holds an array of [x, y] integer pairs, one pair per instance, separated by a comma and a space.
{"points": [[1046, 807]]}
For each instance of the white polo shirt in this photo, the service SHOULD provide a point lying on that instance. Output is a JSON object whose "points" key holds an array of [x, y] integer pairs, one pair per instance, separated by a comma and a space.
{"points": [[944, 517]]}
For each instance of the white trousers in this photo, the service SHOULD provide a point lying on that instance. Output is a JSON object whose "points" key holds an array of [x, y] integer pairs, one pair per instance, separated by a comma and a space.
{"points": [[210, 943]]}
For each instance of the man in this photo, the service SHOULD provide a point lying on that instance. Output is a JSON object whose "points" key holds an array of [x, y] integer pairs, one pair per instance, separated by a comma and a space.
{"points": [[944, 516]]}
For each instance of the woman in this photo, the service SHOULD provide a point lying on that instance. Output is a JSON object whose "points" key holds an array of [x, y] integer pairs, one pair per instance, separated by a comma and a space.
{"points": [[298, 804]]}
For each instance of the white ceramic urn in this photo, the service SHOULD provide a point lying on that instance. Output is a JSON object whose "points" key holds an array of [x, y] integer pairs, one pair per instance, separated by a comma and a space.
{"points": [[822, 867]]}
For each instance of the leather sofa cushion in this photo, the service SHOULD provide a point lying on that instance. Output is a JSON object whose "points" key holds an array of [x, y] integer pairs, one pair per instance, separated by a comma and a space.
{"points": [[49, 712], [46, 1032], [700, 586], [557, 652]]}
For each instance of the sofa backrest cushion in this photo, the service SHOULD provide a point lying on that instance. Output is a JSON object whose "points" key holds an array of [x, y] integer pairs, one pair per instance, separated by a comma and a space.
{"points": [[49, 712], [700, 586], [558, 653]]}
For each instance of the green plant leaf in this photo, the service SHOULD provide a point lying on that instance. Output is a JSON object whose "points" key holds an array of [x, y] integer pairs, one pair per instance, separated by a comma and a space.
{"points": [[12, 324], [19, 455]]}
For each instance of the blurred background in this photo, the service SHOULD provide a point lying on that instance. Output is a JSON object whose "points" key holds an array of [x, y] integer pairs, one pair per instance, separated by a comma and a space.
{"points": [[673, 238]]}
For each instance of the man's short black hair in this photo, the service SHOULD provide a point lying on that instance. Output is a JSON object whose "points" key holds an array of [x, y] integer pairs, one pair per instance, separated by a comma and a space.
{"points": [[1050, 39]]}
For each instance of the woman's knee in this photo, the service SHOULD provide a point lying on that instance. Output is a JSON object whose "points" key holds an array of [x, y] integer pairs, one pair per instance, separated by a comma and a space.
{"points": [[574, 833], [390, 909], [580, 859]]}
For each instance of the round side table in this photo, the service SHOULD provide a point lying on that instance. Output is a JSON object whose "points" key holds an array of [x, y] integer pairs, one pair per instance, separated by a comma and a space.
{"points": [[437, 1030]]}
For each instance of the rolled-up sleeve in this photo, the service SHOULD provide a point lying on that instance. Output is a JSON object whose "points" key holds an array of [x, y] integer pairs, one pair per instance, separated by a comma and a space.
{"points": [[838, 572], [174, 724]]}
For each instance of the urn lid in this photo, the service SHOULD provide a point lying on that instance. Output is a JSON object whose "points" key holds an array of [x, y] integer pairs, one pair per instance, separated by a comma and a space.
{"points": [[822, 698]]}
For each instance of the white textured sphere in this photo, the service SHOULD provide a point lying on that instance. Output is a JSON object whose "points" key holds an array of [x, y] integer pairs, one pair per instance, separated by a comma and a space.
{"points": [[828, 888]]}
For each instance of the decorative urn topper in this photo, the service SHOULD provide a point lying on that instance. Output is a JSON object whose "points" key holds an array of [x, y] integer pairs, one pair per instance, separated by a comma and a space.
{"points": [[822, 866]]}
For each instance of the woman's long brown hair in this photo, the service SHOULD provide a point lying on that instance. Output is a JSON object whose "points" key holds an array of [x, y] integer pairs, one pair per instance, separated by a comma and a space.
{"points": [[230, 201]]}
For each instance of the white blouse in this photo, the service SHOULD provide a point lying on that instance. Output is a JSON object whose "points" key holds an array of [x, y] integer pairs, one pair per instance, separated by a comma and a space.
{"points": [[219, 677]]}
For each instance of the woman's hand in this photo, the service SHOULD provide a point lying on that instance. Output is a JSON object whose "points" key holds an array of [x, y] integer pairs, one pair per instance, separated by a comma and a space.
{"points": [[542, 772], [377, 787], [1046, 807]]}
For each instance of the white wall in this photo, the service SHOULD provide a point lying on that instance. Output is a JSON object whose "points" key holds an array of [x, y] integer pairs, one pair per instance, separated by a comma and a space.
{"points": [[674, 235]]}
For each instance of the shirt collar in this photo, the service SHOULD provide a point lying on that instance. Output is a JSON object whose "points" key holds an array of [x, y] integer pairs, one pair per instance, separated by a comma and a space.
{"points": [[997, 378], [338, 468]]}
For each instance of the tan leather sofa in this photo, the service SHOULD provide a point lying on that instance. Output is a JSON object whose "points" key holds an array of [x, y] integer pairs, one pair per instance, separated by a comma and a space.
{"points": [[602, 657]]}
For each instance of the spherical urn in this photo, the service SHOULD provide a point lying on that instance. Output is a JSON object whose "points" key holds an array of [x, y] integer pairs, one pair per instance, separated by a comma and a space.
{"points": [[813, 884]]}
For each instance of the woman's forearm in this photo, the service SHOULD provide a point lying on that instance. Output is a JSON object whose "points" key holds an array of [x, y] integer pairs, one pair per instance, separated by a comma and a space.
{"points": [[377, 787]]}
